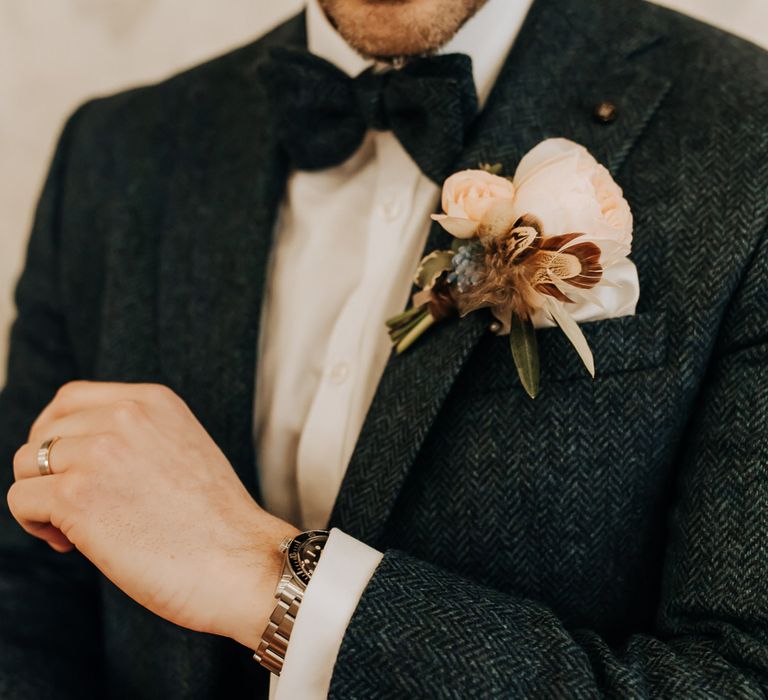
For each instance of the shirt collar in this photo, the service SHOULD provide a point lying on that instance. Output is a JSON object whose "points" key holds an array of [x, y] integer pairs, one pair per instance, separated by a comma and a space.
{"points": [[486, 38]]}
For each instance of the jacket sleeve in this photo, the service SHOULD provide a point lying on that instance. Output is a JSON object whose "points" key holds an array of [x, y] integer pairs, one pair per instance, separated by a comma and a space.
{"points": [[49, 602], [423, 632]]}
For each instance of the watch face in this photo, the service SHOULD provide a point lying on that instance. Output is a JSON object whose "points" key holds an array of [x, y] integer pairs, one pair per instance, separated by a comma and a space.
{"points": [[304, 553]]}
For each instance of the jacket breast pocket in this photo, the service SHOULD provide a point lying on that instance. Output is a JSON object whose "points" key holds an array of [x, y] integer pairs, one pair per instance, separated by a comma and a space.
{"points": [[622, 344]]}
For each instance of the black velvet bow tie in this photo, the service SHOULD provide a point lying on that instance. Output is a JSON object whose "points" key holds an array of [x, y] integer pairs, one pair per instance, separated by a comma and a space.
{"points": [[321, 114]]}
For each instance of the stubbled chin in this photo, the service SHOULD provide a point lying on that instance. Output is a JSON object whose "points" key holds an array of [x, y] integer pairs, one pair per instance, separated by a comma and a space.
{"points": [[385, 28]]}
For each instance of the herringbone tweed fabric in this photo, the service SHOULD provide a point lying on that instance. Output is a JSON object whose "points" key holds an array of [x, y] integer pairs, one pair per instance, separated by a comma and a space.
{"points": [[606, 539]]}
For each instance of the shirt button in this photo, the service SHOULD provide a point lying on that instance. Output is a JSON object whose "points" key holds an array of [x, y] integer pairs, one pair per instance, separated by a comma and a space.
{"points": [[339, 373], [390, 210]]}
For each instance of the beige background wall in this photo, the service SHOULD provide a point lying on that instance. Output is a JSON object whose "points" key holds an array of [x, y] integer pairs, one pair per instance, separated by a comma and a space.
{"points": [[55, 53]]}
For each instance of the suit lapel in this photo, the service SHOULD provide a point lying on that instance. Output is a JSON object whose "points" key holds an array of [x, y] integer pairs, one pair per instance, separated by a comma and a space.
{"points": [[222, 208], [558, 70]]}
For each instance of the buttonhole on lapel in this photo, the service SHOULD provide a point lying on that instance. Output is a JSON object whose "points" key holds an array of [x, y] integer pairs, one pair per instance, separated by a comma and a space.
{"points": [[605, 112]]}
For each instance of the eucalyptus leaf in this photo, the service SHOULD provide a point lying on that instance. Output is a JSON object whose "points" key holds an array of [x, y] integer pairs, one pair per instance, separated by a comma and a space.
{"points": [[432, 267], [525, 352], [493, 169]]}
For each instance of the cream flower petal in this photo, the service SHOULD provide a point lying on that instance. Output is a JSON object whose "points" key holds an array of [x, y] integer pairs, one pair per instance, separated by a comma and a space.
{"points": [[460, 228], [563, 185], [547, 154], [498, 218], [618, 298], [469, 193]]}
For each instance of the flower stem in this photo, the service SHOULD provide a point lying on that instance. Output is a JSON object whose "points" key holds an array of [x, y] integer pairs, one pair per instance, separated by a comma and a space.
{"points": [[414, 333], [404, 317], [398, 333]]}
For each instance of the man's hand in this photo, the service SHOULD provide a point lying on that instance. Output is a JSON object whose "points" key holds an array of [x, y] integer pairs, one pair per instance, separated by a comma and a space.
{"points": [[141, 489]]}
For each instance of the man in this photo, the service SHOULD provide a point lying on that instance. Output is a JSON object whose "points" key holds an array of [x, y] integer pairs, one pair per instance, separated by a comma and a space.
{"points": [[606, 538]]}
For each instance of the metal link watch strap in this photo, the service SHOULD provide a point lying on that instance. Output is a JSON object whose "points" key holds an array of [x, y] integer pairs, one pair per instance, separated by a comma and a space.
{"points": [[274, 641]]}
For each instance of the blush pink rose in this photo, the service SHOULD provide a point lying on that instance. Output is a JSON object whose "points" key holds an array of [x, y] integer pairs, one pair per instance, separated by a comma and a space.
{"points": [[561, 184], [467, 197]]}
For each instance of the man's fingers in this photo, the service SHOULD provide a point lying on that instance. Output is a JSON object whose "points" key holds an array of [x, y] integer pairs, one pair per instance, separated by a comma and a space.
{"points": [[32, 501], [90, 421], [82, 396], [50, 534], [32, 504], [63, 455]]}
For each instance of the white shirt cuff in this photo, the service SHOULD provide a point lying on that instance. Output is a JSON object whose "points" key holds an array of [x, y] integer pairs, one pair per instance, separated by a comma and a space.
{"points": [[332, 595]]}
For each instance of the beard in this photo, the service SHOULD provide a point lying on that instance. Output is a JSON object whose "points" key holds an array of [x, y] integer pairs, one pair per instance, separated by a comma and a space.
{"points": [[383, 29]]}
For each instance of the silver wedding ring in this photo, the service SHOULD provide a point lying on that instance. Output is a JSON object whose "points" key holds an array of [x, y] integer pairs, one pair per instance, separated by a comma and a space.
{"points": [[44, 457]]}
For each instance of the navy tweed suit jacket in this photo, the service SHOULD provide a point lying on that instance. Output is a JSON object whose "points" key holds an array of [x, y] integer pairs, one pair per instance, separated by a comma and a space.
{"points": [[607, 539]]}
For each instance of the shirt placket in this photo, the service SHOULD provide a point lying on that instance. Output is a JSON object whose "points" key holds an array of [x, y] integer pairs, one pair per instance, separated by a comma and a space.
{"points": [[356, 338]]}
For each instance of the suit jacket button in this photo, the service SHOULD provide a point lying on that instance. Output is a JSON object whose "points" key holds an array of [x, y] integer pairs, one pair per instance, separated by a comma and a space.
{"points": [[605, 112]]}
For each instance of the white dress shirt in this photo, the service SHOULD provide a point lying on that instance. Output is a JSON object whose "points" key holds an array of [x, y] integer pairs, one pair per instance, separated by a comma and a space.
{"points": [[347, 243]]}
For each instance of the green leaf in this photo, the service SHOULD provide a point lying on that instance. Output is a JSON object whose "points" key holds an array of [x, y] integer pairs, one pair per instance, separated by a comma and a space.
{"points": [[493, 169], [525, 351], [431, 267]]}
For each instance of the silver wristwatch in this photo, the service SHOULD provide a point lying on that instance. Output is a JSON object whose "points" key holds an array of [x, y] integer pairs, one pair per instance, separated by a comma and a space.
{"points": [[301, 556]]}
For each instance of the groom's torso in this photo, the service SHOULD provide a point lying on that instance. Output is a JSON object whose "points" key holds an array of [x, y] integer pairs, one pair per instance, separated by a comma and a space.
{"points": [[169, 208]]}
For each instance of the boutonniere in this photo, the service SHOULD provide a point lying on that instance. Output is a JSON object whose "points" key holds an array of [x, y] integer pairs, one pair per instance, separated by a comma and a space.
{"points": [[527, 248]]}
